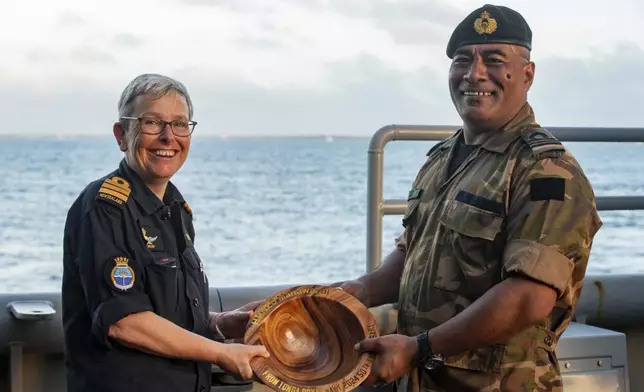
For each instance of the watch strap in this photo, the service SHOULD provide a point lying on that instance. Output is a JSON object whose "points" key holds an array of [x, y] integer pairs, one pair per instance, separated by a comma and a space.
{"points": [[424, 349]]}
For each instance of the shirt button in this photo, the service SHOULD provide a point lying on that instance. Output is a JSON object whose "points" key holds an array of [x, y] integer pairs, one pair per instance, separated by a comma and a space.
{"points": [[195, 302], [202, 389]]}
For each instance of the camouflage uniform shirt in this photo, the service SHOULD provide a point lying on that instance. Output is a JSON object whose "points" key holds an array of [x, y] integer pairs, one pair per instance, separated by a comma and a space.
{"points": [[518, 204]]}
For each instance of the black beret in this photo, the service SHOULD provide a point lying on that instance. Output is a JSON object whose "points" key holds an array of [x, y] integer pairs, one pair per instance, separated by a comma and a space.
{"points": [[491, 24]]}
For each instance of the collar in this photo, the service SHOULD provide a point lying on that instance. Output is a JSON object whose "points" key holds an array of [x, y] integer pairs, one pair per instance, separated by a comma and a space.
{"points": [[502, 138], [451, 141], [143, 196]]}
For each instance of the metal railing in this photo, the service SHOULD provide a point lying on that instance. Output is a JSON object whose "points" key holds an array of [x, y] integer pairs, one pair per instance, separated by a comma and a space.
{"points": [[377, 207]]}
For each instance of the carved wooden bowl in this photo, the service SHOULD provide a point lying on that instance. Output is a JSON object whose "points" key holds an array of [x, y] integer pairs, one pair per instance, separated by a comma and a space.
{"points": [[310, 332]]}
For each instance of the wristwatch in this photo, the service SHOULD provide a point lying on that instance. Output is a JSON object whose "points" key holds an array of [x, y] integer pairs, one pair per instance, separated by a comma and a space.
{"points": [[427, 358]]}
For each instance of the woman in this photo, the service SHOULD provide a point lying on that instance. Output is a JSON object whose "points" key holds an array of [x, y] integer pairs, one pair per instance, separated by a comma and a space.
{"points": [[135, 296]]}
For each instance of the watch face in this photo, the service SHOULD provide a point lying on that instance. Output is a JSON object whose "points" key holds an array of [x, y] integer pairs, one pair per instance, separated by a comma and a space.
{"points": [[433, 363]]}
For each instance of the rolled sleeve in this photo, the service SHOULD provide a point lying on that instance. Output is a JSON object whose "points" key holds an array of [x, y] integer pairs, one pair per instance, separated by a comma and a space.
{"points": [[552, 221], [114, 309], [112, 278], [539, 262]]}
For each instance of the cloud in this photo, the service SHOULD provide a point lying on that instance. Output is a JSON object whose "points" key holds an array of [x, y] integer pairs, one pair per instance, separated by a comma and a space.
{"points": [[70, 19], [288, 66], [362, 95], [127, 41], [417, 22], [91, 55], [408, 22], [79, 109], [602, 90]]}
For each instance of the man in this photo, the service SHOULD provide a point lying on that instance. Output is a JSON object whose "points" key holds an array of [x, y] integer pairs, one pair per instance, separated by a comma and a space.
{"points": [[135, 296], [497, 233]]}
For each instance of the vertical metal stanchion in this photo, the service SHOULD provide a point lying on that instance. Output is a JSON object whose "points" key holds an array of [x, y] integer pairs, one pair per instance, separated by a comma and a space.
{"points": [[15, 371]]}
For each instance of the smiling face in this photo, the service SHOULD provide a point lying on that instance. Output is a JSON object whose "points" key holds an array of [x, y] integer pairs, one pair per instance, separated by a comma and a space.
{"points": [[156, 158], [489, 84]]}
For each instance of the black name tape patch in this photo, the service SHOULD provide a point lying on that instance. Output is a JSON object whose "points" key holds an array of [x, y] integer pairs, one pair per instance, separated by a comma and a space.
{"points": [[480, 202], [547, 188]]}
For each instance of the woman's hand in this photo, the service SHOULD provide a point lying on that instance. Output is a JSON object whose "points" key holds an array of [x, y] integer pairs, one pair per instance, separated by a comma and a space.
{"points": [[235, 358]]}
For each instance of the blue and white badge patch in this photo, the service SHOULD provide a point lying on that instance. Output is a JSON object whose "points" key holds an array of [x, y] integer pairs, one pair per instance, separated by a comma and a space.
{"points": [[122, 274]]}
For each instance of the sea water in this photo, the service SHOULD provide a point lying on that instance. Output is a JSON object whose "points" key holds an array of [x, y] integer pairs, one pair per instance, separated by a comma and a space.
{"points": [[267, 210]]}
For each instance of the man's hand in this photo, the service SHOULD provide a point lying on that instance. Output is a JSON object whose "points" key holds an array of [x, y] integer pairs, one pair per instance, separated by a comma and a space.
{"points": [[356, 289], [233, 324], [395, 356]]}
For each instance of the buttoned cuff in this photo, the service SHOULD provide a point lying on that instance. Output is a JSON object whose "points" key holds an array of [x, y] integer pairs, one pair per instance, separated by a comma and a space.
{"points": [[539, 262], [113, 310], [214, 328]]}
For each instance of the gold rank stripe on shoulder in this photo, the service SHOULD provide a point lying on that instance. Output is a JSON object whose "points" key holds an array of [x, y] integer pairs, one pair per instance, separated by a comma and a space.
{"points": [[115, 189], [187, 208]]}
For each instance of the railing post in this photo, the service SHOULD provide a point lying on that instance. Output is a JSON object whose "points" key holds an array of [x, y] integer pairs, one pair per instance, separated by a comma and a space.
{"points": [[375, 171], [15, 366], [374, 211], [375, 168], [26, 311]]}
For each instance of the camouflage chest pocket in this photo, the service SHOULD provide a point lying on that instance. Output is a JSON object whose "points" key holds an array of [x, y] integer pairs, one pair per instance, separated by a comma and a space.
{"points": [[471, 253], [474, 216]]}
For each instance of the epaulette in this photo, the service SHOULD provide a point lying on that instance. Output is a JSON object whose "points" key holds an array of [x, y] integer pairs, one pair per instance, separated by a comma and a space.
{"points": [[542, 143], [114, 190], [187, 208]]}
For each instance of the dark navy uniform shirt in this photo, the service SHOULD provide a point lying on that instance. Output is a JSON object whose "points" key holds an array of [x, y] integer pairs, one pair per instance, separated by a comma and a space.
{"points": [[126, 251]]}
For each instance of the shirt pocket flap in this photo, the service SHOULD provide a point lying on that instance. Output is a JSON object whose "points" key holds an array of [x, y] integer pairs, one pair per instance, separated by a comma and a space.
{"points": [[473, 216]]}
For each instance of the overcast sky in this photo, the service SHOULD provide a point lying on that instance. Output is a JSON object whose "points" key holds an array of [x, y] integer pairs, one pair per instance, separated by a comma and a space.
{"points": [[302, 66]]}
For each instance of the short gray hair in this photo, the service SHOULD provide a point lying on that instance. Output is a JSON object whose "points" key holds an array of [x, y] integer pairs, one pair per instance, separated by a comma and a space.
{"points": [[154, 85]]}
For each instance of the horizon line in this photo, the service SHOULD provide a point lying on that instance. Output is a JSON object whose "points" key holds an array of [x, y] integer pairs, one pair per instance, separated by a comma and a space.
{"points": [[207, 135]]}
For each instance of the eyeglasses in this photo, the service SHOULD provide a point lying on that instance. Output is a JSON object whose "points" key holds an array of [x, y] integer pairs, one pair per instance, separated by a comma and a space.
{"points": [[154, 126]]}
